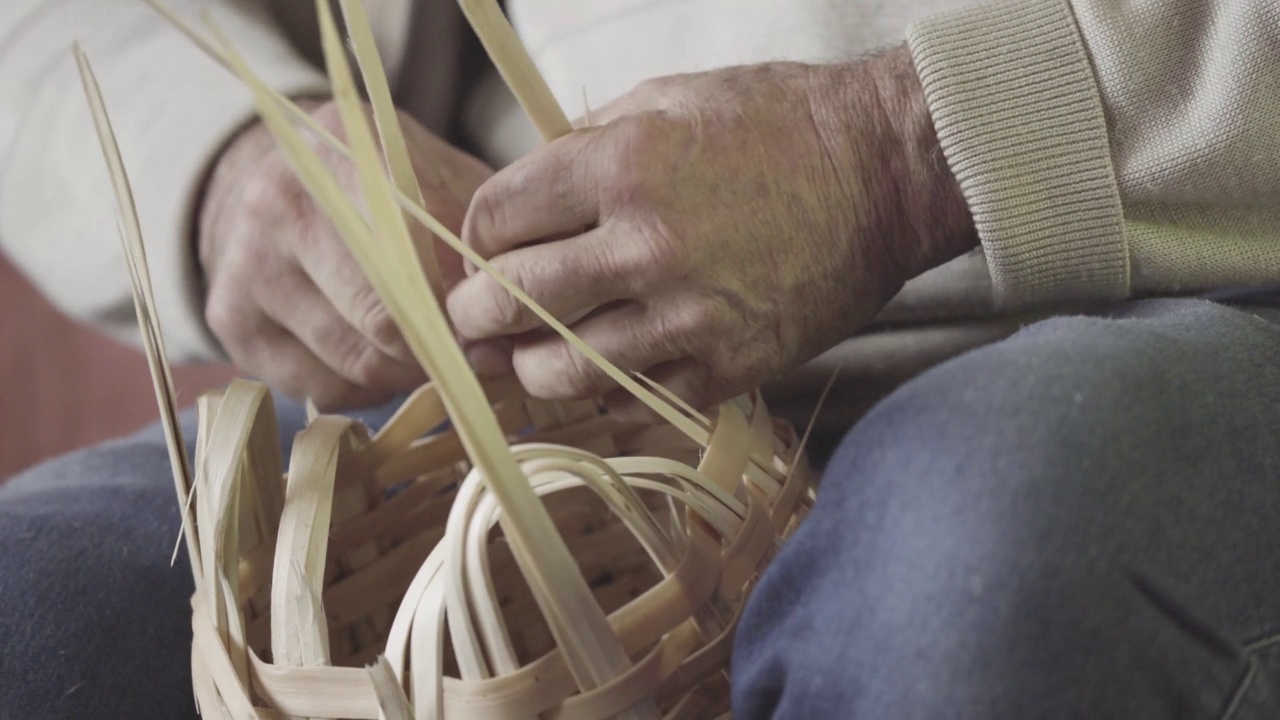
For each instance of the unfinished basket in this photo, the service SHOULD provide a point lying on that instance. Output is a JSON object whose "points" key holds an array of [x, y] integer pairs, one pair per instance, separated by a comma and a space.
{"points": [[485, 554]]}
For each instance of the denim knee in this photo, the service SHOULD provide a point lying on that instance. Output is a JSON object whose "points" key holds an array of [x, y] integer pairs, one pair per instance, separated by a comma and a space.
{"points": [[1011, 516], [94, 620]]}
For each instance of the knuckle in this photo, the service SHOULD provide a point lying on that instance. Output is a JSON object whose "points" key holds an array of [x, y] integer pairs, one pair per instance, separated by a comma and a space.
{"points": [[664, 332], [581, 375], [574, 375], [661, 250], [348, 354], [630, 136], [627, 156], [503, 310], [374, 320], [362, 364], [554, 373], [245, 262], [695, 317]]}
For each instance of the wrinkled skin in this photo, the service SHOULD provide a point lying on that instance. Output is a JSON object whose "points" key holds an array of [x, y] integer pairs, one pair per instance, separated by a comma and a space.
{"points": [[716, 229], [285, 298]]}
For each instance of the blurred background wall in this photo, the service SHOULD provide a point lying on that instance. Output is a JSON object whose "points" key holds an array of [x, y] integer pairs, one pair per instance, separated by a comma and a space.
{"points": [[63, 386]]}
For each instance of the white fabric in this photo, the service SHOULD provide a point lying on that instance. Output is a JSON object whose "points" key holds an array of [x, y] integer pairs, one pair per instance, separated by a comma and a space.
{"points": [[1172, 106]]}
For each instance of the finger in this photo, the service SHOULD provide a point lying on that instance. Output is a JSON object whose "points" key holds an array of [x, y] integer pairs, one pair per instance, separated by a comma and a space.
{"points": [[305, 313], [564, 277], [547, 193], [627, 334], [687, 379], [286, 364], [490, 358], [332, 269], [449, 178]]}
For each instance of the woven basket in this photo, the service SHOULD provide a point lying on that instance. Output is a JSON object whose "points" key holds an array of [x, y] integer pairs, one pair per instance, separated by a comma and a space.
{"points": [[484, 555], [413, 569]]}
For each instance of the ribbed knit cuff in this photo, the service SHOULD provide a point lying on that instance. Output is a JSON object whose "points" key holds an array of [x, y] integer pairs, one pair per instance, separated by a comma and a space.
{"points": [[1020, 120]]}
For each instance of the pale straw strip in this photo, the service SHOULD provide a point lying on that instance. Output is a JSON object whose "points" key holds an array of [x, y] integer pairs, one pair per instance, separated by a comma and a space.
{"points": [[299, 635], [650, 399], [516, 67], [391, 699], [575, 619], [144, 304], [395, 151], [675, 400]]}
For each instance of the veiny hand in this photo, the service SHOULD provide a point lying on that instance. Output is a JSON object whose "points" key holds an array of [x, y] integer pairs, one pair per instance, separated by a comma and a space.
{"points": [[739, 222], [285, 298]]}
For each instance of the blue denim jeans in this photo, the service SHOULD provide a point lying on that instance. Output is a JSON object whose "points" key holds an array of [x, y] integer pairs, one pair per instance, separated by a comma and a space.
{"points": [[1082, 521]]}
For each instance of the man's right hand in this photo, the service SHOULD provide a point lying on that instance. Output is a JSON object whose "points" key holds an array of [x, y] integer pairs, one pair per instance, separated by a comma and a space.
{"points": [[285, 298]]}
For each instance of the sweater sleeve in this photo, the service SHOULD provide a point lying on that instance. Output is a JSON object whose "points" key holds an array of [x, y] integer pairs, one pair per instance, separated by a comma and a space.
{"points": [[1110, 148], [173, 110]]}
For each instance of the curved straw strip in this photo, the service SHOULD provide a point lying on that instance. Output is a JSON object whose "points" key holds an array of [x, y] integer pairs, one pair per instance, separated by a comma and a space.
{"points": [[750, 543], [644, 610], [391, 699], [471, 572], [478, 699], [562, 594], [243, 442], [299, 630], [241, 502]]}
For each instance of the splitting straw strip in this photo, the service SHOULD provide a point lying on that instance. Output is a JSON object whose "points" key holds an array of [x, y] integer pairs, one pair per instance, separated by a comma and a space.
{"points": [[144, 304], [675, 399], [654, 402], [580, 627], [394, 148]]}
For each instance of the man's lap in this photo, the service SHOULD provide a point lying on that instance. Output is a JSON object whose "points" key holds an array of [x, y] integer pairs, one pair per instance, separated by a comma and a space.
{"points": [[93, 618], [1080, 521]]}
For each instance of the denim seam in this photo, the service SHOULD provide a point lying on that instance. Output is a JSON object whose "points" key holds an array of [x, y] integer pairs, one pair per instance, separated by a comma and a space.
{"points": [[1252, 649]]}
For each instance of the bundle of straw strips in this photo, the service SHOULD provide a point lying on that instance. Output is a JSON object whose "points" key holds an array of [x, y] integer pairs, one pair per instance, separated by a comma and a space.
{"points": [[485, 554]]}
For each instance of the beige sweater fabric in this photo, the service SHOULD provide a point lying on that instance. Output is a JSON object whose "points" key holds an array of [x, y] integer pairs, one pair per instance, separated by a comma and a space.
{"points": [[1107, 148]]}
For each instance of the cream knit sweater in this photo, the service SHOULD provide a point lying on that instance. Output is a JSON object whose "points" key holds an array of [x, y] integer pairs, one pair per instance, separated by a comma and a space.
{"points": [[1107, 148]]}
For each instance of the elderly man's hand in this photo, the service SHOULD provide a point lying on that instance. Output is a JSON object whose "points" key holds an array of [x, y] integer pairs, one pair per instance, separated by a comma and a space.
{"points": [[737, 223], [285, 298]]}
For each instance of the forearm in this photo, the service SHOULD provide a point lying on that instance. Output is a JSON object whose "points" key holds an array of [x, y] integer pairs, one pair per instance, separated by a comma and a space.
{"points": [[872, 112]]}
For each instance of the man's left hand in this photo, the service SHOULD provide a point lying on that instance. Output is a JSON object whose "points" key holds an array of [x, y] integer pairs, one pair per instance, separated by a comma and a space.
{"points": [[737, 223]]}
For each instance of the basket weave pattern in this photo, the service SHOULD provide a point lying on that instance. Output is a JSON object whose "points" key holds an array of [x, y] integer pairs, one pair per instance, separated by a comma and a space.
{"points": [[399, 502], [484, 555]]}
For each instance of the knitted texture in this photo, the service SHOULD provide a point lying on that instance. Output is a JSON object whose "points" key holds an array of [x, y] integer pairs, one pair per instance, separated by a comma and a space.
{"points": [[1110, 148], [1020, 121]]}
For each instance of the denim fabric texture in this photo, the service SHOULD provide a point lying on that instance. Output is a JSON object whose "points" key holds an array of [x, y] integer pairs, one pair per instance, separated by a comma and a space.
{"points": [[1082, 521]]}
